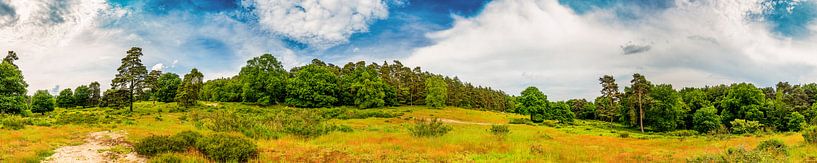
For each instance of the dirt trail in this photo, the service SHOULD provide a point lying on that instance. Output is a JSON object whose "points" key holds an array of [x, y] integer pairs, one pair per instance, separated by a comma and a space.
{"points": [[103, 146], [463, 122]]}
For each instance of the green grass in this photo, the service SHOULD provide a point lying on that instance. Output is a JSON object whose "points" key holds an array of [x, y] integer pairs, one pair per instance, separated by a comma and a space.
{"points": [[389, 139]]}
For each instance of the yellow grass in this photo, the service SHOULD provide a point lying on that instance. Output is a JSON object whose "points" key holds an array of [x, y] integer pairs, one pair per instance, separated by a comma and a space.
{"points": [[388, 140]]}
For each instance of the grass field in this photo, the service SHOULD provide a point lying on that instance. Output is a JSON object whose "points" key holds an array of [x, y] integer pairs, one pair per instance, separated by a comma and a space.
{"points": [[388, 139]]}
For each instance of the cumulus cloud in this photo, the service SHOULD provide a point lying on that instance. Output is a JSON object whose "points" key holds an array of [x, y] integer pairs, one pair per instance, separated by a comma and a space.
{"points": [[157, 67], [321, 24], [75, 42], [515, 44]]}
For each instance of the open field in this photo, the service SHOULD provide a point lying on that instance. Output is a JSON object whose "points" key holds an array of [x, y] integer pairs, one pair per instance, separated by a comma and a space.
{"points": [[388, 139]]}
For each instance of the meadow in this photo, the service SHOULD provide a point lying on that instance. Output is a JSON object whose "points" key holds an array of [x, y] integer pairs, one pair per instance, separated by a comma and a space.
{"points": [[383, 134]]}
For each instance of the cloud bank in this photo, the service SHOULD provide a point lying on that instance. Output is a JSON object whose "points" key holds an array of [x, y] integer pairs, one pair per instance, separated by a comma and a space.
{"points": [[514, 44]]}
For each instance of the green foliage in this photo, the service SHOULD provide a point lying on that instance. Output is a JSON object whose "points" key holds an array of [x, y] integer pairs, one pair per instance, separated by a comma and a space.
{"points": [[96, 95], [500, 130], [66, 98], [706, 119], [153, 145], [534, 103], [312, 86], [166, 158], [167, 85], [263, 78], [13, 122], [796, 121], [131, 74], [559, 111], [774, 147], [437, 92], [115, 98], [607, 106], [432, 128], [582, 108], [362, 86], [42, 102], [12, 86], [222, 90], [742, 101], [810, 135], [521, 121], [188, 92], [740, 126], [226, 148], [82, 96], [186, 138], [683, 133]]}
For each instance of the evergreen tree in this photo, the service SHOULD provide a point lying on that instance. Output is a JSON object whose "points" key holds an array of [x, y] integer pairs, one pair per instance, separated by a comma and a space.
{"points": [[132, 74], [641, 87]]}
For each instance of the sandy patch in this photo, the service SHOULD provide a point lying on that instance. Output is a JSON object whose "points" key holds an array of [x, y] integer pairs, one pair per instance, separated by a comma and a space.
{"points": [[103, 146]]}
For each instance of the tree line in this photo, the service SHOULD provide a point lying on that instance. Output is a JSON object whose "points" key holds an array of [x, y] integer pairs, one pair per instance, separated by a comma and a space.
{"points": [[736, 108], [262, 81]]}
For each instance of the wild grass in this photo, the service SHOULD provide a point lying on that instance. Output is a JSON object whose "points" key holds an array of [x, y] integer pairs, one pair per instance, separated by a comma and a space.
{"points": [[379, 138]]}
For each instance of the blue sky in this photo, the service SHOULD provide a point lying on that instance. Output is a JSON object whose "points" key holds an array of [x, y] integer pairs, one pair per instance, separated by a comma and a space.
{"points": [[561, 46]]}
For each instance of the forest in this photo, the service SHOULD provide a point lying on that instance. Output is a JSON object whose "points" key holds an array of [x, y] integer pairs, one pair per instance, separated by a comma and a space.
{"points": [[313, 93]]}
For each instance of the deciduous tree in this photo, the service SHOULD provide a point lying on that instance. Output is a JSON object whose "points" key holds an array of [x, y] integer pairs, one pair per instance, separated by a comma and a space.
{"points": [[42, 102]]}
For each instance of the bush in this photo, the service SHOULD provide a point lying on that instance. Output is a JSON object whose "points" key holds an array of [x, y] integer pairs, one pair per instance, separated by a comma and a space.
{"points": [[706, 119], [153, 145], [521, 121], [500, 130], [810, 135], [226, 148], [624, 135], [14, 122], [683, 133], [432, 128], [740, 126], [796, 121], [166, 158], [187, 138], [775, 147]]}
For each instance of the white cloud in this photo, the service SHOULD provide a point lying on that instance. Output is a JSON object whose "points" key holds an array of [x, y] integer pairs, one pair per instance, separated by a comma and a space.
{"points": [[58, 42], [319, 23], [515, 44], [157, 67]]}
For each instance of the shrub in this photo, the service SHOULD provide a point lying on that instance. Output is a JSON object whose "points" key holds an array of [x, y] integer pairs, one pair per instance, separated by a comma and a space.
{"points": [[683, 133], [166, 158], [796, 121], [775, 147], [14, 122], [740, 126], [810, 135], [187, 138], [432, 128], [624, 135], [521, 121], [500, 130], [226, 148], [153, 145], [706, 119]]}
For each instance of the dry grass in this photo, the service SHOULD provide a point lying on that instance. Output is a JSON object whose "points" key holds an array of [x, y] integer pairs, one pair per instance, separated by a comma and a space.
{"points": [[388, 140]]}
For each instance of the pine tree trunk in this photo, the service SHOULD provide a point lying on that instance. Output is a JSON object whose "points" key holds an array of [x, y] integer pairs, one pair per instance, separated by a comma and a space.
{"points": [[640, 113], [130, 97]]}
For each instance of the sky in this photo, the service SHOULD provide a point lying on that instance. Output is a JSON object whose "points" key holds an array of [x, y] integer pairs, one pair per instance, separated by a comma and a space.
{"points": [[559, 46]]}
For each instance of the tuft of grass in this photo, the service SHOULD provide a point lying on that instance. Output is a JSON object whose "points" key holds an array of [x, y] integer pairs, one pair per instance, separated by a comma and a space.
{"points": [[429, 128]]}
